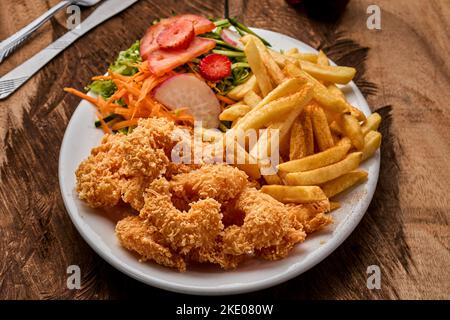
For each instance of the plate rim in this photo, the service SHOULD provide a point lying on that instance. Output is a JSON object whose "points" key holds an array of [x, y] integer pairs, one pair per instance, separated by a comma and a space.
{"points": [[315, 258]]}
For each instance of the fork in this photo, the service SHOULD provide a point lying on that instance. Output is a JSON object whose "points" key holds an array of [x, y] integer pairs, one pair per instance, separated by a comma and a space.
{"points": [[10, 44]]}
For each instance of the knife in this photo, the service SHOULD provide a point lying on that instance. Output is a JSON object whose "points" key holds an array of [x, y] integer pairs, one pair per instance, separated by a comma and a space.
{"points": [[11, 81]]}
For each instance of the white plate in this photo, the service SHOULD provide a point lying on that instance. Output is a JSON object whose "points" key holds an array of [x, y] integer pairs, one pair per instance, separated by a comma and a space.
{"points": [[98, 230]]}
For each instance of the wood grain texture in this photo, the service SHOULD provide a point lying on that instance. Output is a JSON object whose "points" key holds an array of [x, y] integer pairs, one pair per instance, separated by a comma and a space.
{"points": [[403, 70]]}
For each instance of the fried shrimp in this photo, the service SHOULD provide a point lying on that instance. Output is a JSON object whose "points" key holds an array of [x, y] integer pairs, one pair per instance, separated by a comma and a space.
{"points": [[137, 235], [123, 165], [220, 182], [266, 225], [207, 213], [183, 231]]}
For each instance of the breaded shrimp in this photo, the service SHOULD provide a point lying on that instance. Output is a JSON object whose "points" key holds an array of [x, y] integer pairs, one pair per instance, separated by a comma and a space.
{"points": [[220, 182], [123, 163], [266, 224], [311, 216], [183, 231], [138, 236]]}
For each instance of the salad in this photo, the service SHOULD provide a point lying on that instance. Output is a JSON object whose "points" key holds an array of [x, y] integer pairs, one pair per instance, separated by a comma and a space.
{"points": [[182, 69]]}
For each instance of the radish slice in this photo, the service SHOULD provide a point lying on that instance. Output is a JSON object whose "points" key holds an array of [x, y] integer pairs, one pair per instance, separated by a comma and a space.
{"points": [[232, 38], [188, 91]]}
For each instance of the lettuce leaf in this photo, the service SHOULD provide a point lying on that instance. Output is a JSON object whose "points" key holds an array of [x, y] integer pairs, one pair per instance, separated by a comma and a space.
{"points": [[123, 65]]}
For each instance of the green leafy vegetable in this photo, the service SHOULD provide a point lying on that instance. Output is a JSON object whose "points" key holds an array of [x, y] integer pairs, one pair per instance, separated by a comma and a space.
{"points": [[126, 60], [123, 65], [105, 88]]}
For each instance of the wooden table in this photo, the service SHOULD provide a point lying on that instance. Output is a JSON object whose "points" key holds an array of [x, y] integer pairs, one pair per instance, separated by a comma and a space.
{"points": [[403, 70]]}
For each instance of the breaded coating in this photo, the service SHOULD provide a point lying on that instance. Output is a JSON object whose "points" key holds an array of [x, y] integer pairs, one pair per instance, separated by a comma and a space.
{"points": [[98, 182], [133, 190], [183, 231], [137, 235], [217, 256], [311, 216], [140, 156], [266, 224], [221, 182], [207, 213]]}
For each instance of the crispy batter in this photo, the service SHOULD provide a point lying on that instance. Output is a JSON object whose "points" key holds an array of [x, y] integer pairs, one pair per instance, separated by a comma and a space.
{"points": [[220, 182], [137, 235], [266, 224], [97, 178], [311, 216], [216, 255], [207, 213], [140, 156], [183, 231]]}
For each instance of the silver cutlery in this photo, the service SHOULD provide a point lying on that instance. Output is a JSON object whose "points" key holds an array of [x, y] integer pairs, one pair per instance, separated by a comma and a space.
{"points": [[18, 76], [8, 45]]}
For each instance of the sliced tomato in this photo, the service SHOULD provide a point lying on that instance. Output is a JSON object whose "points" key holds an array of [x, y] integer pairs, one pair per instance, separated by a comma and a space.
{"points": [[201, 24], [162, 61], [149, 43]]}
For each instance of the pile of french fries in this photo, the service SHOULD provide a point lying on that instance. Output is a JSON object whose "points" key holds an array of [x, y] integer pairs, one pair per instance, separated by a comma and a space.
{"points": [[322, 138]]}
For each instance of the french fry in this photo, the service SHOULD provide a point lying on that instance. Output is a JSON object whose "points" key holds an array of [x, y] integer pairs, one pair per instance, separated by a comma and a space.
{"points": [[297, 146], [235, 122], [342, 183], [273, 179], [238, 92], [321, 93], [256, 63], [272, 67], [318, 160], [310, 57], [334, 205], [295, 194], [322, 133], [336, 128], [372, 141], [235, 111], [241, 158], [211, 135], [281, 59], [252, 99], [322, 59], [372, 123], [262, 148], [334, 74], [352, 129], [333, 89], [308, 130], [286, 88], [344, 141], [291, 51], [358, 114], [324, 174], [336, 137], [258, 117]]}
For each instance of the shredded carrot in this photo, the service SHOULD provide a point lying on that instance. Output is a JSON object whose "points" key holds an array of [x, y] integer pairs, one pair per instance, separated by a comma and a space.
{"points": [[225, 99], [105, 127], [124, 124], [117, 95], [137, 93], [101, 78], [81, 95]]}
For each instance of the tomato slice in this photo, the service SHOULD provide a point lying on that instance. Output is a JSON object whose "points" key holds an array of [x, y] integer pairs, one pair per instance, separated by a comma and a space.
{"points": [[162, 61], [149, 43]]}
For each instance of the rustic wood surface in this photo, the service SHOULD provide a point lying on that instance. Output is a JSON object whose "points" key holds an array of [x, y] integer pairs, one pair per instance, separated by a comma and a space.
{"points": [[403, 70]]}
